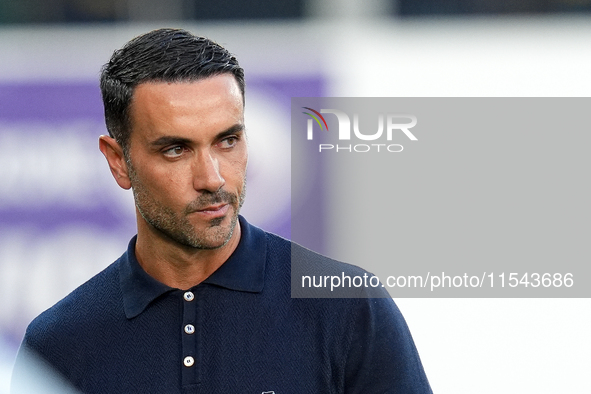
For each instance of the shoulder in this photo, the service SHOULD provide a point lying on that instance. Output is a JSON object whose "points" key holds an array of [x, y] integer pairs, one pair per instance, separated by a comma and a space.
{"points": [[76, 312], [356, 318], [62, 334], [314, 275], [307, 259], [336, 292]]}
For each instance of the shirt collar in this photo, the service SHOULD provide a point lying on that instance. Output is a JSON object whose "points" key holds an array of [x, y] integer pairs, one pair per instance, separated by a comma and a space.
{"points": [[243, 271]]}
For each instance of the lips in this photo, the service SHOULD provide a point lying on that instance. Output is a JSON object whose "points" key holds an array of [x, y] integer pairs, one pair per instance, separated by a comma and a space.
{"points": [[212, 204], [214, 210]]}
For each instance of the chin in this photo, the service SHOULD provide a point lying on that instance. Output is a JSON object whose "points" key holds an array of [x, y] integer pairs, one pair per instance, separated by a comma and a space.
{"points": [[217, 235]]}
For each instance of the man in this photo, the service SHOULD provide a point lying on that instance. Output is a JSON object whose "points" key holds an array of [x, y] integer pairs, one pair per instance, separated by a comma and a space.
{"points": [[200, 302]]}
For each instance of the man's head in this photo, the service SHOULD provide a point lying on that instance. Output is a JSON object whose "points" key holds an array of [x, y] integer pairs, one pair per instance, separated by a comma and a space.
{"points": [[164, 55], [175, 112]]}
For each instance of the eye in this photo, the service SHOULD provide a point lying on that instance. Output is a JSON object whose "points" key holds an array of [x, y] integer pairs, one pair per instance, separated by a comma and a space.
{"points": [[174, 151], [229, 142]]}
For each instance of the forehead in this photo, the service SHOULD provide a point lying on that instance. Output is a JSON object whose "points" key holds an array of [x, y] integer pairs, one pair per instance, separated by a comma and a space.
{"points": [[206, 103]]}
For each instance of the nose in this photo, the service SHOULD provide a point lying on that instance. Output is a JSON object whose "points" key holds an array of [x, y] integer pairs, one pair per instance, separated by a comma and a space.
{"points": [[206, 173]]}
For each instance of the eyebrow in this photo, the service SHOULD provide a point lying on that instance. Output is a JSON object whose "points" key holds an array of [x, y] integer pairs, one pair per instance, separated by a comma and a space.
{"points": [[174, 140], [235, 129]]}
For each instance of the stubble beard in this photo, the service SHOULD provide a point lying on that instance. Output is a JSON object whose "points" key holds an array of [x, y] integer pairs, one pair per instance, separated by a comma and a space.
{"points": [[177, 226]]}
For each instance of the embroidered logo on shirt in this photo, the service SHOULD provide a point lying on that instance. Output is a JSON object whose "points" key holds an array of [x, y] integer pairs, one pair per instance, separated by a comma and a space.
{"points": [[268, 392]]}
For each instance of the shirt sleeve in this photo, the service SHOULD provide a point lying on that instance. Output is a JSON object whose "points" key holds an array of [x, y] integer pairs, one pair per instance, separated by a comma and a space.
{"points": [[382, 355]]}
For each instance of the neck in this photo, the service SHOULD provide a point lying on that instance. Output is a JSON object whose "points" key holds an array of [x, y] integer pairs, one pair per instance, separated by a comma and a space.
{"points": [[175, 265]]}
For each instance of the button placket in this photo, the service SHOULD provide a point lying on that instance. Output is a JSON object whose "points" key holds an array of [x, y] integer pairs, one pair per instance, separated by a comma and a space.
{"points": [[190, 360]]}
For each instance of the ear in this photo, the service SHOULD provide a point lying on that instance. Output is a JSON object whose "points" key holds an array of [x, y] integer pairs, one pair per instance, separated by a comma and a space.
{"points": [[114, 155]]}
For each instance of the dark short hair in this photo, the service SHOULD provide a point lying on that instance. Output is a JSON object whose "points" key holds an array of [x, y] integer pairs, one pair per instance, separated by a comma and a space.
{"points": [[163, 55]]}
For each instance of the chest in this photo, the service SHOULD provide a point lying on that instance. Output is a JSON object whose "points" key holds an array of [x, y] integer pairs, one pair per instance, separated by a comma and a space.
{"points": [[209, 343]]}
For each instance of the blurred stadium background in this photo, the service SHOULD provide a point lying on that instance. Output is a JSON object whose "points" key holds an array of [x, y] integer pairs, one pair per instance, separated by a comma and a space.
{"points": [[63, 219]]}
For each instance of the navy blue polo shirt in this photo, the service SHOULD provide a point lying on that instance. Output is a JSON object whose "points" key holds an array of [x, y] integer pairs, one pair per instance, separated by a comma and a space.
{"points": [[239, 331]]}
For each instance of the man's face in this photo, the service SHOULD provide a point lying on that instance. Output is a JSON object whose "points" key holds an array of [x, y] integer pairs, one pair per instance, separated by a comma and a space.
{"points": [[187, 159]]}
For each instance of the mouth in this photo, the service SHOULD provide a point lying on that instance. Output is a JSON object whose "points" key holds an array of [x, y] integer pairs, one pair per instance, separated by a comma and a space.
{"points": [[212, 211]]}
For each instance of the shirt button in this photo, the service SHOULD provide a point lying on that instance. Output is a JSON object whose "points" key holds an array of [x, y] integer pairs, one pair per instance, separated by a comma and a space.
{"points": [[189, 296], [189, 361], [189, 329]]}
